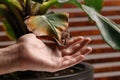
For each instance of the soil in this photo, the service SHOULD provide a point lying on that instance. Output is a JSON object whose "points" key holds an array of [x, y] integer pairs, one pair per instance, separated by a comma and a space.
{"points": [[34, 74]]}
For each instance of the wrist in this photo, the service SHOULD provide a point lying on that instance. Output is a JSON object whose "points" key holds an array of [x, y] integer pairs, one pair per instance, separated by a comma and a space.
{"points": [[9, 59]]}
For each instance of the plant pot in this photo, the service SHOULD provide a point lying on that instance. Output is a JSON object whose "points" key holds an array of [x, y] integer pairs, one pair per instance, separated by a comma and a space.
{"points": [[82, 71]]}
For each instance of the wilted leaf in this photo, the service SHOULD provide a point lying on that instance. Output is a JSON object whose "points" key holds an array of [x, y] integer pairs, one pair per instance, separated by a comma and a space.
{"points": [[110, 30], [54, 25]]}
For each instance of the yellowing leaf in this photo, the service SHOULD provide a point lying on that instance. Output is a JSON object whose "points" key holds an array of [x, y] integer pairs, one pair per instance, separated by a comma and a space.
{"points": [[53, 25]]}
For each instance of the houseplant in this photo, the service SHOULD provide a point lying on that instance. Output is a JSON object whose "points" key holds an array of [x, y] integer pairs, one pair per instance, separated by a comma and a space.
{"points": [[16, 15]]}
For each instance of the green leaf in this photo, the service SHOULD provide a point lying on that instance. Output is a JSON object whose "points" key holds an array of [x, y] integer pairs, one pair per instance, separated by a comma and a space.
{"points": [[35, 8], [53, 25], [15, 18], [17, 4], [110, 31], [75, 2], [46, 5], [96, 4], [7, 26], [9, 30]]}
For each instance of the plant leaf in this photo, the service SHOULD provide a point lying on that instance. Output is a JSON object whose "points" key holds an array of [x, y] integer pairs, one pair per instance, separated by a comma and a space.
{"points": [[75, 2], [28, 8], [7, 26], [35, 8], [15, 17], [9, 30], [110, 31], [96, 4], [15, 3], [53, 25]]}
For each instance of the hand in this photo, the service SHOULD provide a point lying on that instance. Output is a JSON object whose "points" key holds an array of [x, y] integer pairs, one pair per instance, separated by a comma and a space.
{"points": [[38, 56]]}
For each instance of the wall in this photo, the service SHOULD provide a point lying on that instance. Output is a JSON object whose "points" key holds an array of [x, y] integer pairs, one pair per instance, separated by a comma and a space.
{"points": [[105, 60]]}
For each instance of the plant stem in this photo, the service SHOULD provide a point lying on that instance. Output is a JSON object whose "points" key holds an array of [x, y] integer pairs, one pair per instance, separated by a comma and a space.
{"points": [[18, 20], [46, 5]]}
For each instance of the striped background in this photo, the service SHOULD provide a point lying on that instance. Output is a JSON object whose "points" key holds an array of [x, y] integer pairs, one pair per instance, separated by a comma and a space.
{"points": [[105, 60]]}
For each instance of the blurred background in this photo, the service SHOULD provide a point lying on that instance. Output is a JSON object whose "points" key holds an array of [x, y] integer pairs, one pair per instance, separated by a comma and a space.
{"points": [[105, 60]]}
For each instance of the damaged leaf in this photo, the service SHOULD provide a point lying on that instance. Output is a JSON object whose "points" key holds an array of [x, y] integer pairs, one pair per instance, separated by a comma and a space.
{"points": [[52, 25]]}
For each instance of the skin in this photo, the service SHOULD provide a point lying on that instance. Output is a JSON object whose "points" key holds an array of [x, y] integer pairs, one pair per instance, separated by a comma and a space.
{"points": [[31, 53]]}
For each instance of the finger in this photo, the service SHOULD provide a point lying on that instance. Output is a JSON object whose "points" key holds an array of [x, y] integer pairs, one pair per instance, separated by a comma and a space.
{"points": [[69, 43], [78, 47], [65, 58], [84, 51], [72, 62], [72, 42], [69, 61], [85, 42]]}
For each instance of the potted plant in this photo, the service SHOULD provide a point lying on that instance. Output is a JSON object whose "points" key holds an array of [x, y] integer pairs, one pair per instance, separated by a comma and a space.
{"points": [[24, 16]]}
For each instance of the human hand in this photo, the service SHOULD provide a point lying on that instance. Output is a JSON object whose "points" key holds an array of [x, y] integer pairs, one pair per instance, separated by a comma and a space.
{"points": [[38, 56]]}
